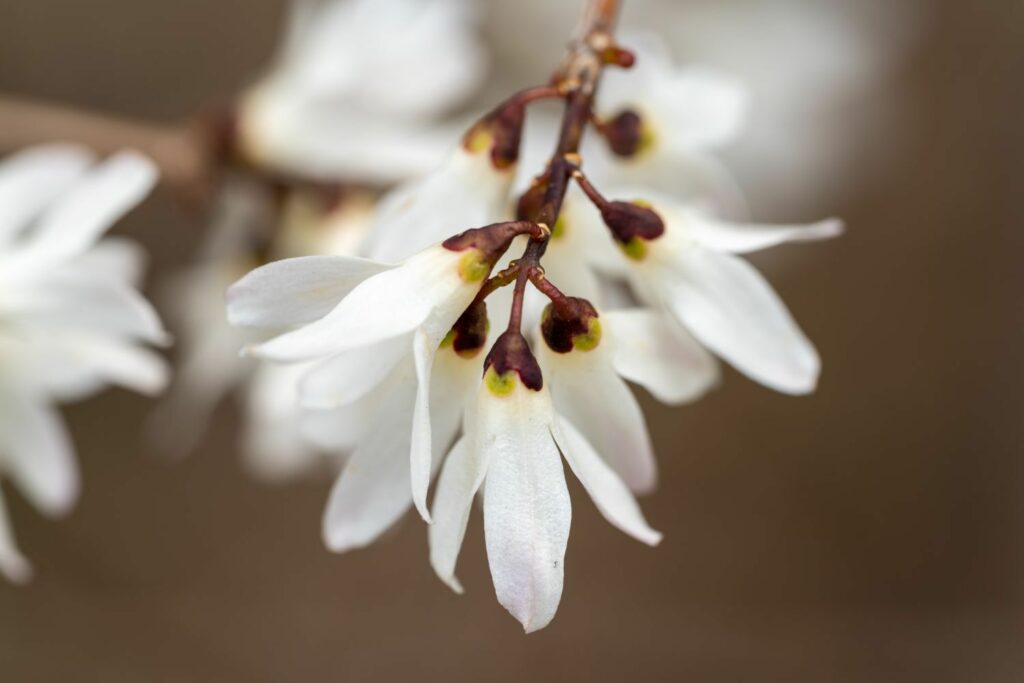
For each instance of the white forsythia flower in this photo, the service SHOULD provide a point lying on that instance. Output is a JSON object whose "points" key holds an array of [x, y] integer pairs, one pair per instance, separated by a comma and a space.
{"points": [[356, 86], [664, 121], [513, 437], [684, 262], [586, 358], [71, 319], [363, 320]]}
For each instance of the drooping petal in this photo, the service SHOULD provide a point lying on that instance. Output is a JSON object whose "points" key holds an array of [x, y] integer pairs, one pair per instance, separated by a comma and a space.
{"points": [[587, 392], [652, 350], [31, 179], [611, 496], [700, 108], [296, 291], [460, 479], [350, 375], [373, 491], [526, 504], [36, 453], [744, 238], [13, 564], [732, 310], [424, 350], [103, 196]]}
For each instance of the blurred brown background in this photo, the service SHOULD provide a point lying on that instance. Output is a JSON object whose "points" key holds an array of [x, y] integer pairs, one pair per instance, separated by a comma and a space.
{"points": [[873, 532]]}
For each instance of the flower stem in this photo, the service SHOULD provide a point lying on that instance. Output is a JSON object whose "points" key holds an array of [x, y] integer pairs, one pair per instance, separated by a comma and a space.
{"points": [[577, 77]]}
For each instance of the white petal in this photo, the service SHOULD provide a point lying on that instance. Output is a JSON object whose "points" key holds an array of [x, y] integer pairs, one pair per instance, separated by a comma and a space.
{"points": [[526, 504], [350, 375], [31, 179], [94, 306], [655, 352], [424, 349], [13, 564], [608, 492], [272, 442], [700, 108], [392, 303], [729, 307], [587, 391], [741, 239], [113, 257], [36, 453], [460, 479], [99, 200], [464, 192], [123, 364], [296, 291], [373, 491]]}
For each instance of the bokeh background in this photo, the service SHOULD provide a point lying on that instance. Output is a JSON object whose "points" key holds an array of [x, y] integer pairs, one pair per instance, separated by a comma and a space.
{"points": [[871, 532]]}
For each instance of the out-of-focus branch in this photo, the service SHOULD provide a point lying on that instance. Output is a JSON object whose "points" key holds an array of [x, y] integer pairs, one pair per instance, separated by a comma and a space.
{"points": [[182, 152]]}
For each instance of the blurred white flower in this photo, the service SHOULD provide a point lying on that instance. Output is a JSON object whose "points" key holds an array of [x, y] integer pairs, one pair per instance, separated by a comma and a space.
{"points": [[358, 86], [274, 443], [71, 318]]}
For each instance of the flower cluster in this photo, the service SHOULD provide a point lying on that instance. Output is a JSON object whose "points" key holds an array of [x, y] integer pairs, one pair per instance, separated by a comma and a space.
{"points": [[406, 365], [71, 318]]}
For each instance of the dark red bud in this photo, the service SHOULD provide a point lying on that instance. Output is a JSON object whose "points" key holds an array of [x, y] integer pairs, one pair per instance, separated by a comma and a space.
{"points": [[566, 322], [627, 221], [469, 333], [511, 353], [502, 130], [624, 133]]}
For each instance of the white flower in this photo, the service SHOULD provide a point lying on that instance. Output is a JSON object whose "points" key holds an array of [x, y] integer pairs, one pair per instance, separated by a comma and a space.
{"points": [[690, 271], [71, 320], [363, 319], [511, 447], [586, 358], [356, 84], [274, 442]]}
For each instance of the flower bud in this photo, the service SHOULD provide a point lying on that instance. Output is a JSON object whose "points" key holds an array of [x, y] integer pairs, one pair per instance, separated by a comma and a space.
{"points": [[469, 333], [570, 325], [501, 132], [510, 361], [633, 224], [626, 134]]}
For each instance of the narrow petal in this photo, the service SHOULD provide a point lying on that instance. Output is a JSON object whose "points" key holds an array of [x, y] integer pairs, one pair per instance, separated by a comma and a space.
{"points": [[587, 391], [655, 352], [701, 108], [93, 306], [424, 350], [460, 479], [526, 505], [350, 375], [729, 307], [31, 179], [607, 491], [296, 291], [99, 200], [744, 238], [36, 453], [13, 564], [374, 489], [386, 305]]}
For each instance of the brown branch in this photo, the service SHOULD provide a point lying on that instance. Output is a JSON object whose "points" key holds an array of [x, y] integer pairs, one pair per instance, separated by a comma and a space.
{"points": [[578, 77], [181, 152]]}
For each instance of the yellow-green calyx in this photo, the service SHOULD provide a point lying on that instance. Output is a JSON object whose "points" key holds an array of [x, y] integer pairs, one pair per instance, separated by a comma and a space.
{"points": [[588, 340], [501, 385], [474, 266], [635, 248], [479, 140]]}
